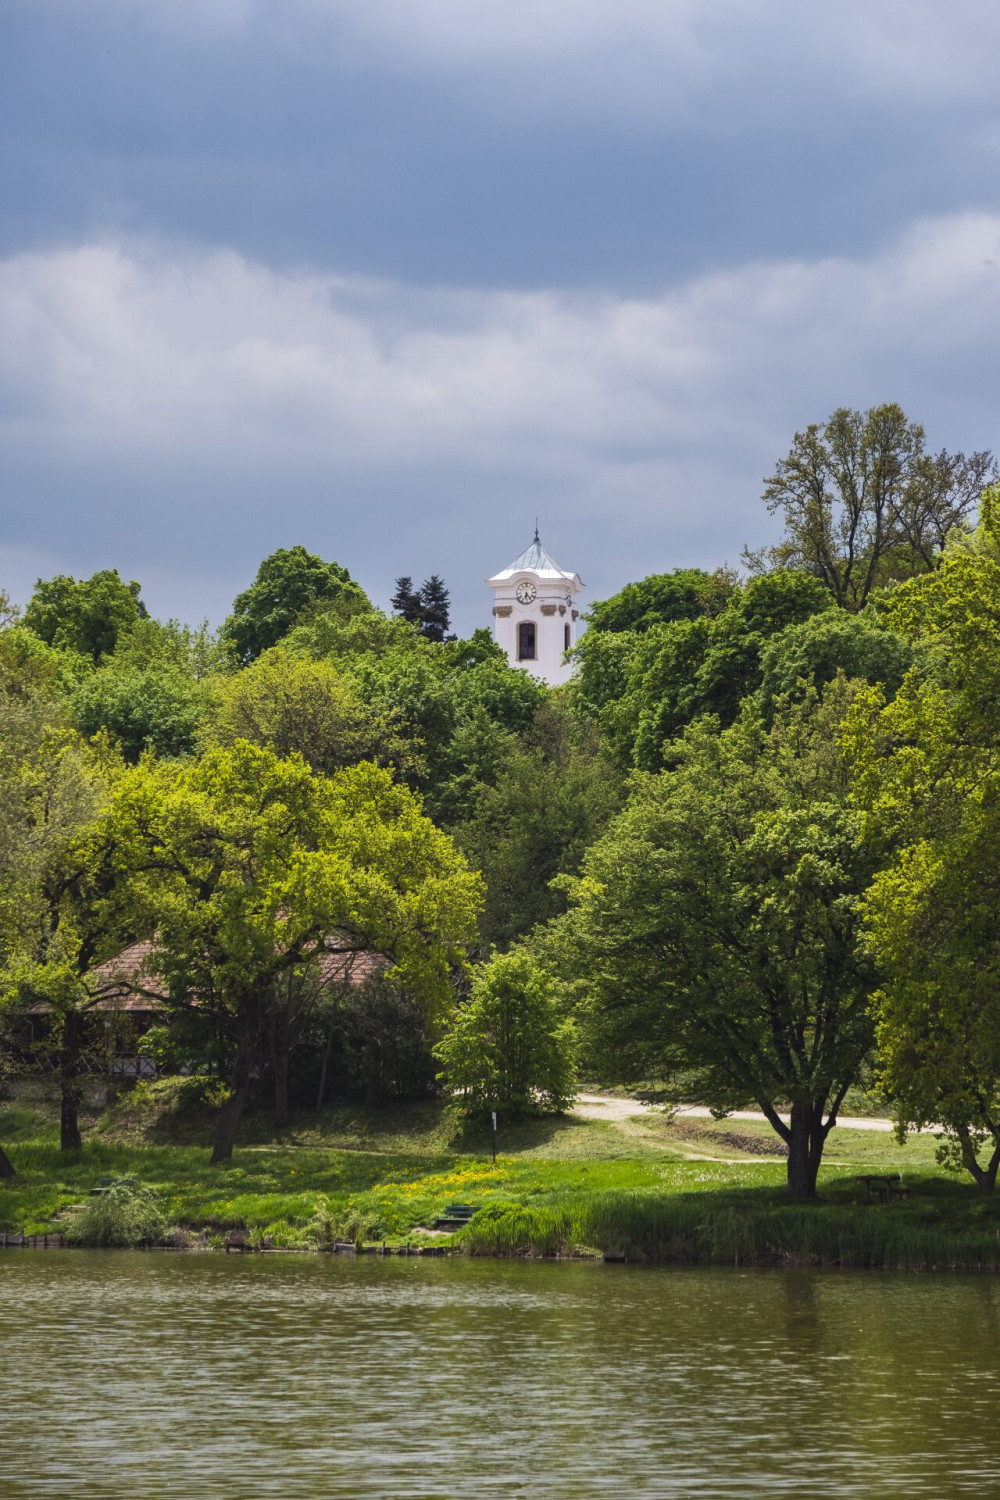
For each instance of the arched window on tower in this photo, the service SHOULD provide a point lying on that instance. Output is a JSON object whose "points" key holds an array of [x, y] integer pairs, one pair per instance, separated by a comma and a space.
{"points": [[565, 637], [526, 641]]}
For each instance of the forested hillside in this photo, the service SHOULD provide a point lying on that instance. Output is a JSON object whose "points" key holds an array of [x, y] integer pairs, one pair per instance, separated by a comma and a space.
{"points": [[750, 846]]}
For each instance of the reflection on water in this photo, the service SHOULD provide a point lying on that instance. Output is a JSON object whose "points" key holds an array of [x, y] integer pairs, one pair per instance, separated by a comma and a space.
{"points": [[134, 1375]]}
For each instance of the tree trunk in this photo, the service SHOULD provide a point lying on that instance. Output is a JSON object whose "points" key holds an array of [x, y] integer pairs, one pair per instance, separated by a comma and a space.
{"points": [[232, 1110], [326, 1058], [985, 1177], [281, 1049], [806, 1138], [69, 1082], [6, 1165]]}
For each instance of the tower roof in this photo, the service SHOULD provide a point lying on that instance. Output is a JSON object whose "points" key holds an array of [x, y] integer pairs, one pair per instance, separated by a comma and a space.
{"points": [[533, 559]]}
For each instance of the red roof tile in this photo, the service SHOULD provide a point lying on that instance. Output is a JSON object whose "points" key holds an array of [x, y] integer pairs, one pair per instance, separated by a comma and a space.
{"points": [[126, 983]]}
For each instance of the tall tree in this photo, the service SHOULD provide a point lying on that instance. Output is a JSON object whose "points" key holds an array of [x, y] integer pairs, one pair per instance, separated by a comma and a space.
{"points": [[287, 584], [716, 926], [643, 687], [86, 616], [932, 923], [813, 652], [56, 919], [427, 607], [246, 863], [406, 600], [864, 503], [532, 817], [157, 708], [927, 774], [435, 616]]}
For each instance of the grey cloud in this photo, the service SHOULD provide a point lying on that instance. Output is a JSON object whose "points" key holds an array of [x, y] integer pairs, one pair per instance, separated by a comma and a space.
{"points": [[179, 415], [556, 142]]}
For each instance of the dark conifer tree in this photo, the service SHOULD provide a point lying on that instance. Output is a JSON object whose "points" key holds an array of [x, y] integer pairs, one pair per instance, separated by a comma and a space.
{"points": [[406, 601], [434, 612]]}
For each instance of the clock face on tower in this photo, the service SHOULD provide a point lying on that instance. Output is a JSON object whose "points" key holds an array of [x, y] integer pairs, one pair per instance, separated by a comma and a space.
{"points": [[525, 592]]}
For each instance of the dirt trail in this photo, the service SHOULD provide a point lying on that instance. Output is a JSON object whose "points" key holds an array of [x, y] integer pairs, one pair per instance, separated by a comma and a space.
{"points": [[616, 1108]]}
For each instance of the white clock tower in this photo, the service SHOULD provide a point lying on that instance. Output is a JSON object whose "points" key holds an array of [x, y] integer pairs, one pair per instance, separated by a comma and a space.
{"points": [[535, 614]]}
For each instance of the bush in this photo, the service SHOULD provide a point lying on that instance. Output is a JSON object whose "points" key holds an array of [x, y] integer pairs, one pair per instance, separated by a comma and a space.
{"points": [[123, 1215]]}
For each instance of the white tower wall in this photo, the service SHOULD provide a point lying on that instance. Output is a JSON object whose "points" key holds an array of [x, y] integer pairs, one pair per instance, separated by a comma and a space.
{"points": [[535, 613]]}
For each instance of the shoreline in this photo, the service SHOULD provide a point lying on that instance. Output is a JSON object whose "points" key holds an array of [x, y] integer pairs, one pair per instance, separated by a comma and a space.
{"points": [[635, 1190], [787, 1261]]}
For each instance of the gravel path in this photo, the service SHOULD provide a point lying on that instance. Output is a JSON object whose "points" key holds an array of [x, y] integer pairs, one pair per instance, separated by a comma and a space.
{"points": [[615, 1107]]}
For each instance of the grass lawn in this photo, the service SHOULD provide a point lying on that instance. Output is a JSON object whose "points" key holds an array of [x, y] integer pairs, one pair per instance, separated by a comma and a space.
{"points": [[648, 1186]]}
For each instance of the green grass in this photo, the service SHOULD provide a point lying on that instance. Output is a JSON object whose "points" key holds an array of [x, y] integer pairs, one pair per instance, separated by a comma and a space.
{"points": [[649, 1187], [259, 1190], [748, 1227]]}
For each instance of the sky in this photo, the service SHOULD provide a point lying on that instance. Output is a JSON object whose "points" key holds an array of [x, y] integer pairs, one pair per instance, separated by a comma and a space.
{"points": [[393, 278]]}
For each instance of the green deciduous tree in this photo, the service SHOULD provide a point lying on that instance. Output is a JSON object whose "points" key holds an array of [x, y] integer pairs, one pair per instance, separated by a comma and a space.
{"points": [[643, 687], [533, 816], [812, 653], [56, 921], [9, 611], [246, 862], [933, 926], [927, 773], [661, 599], [157, 708], [864, 503], [715, 926], [287, 585], [510, 1049], [86, 616], [459, 701], [147, 643], [288, 702]]}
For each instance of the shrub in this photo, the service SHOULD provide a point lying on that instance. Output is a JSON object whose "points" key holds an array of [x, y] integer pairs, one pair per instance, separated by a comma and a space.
{"points": [[125, 1214]]}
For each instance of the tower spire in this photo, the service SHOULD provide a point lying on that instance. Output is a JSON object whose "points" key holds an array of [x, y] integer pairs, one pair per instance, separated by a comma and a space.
{"points": [[536, 530]]}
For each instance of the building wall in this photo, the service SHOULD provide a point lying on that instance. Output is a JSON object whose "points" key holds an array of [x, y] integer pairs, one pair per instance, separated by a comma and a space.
{"points": [[551, 611]]}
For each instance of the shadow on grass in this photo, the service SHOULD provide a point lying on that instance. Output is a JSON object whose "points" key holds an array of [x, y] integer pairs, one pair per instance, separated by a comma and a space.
{"points": [[474, 1137]]}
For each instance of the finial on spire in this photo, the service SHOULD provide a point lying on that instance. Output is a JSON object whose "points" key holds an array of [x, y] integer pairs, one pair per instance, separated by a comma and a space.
{"points": [[536, 530]]}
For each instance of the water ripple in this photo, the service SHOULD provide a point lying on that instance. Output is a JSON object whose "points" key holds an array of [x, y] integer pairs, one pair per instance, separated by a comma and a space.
{"points": [[144, 1375]]}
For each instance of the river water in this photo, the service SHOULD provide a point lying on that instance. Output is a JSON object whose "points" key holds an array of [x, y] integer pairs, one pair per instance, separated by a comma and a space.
{"points": [[132, 1375]]}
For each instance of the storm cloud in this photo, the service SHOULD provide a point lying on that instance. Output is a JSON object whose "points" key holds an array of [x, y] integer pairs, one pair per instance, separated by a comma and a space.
{"points": [[391, 278]]}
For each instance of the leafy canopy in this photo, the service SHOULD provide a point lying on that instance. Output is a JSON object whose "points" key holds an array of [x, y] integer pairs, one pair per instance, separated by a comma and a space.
{"points": [[661, 599], [245, 861], [245, 864], [287, 584], [644, 687], [86, 616], [156, 708], [289, 703], [864, 503]]}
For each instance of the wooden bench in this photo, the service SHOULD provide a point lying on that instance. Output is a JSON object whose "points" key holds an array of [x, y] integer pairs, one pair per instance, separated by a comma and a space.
{"points": [[105, 1184], [455, 1216], [882, 1187]]}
